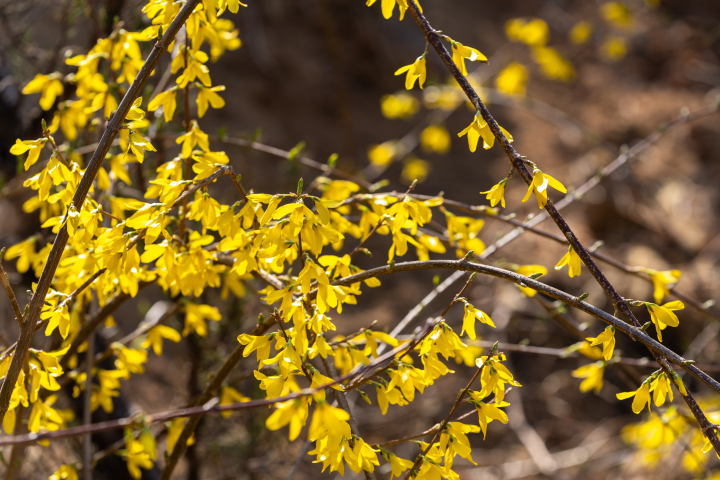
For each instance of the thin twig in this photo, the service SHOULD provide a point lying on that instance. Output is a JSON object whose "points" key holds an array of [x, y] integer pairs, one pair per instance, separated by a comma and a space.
{"points": [[9, 291]]}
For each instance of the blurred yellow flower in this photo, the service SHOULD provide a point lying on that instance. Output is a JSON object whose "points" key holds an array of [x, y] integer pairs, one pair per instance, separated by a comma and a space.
{"points": [[414, 169], [512, 79], [401, 105], [581, 32], [553, 64], [617, 14], [613, 49], [382, 154], [533, 32], [435, 138]]}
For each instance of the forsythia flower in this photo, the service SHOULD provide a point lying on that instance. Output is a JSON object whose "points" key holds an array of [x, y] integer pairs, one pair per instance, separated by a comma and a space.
{"points": [[461, 52], [642, 397], [194, 137], [607, 339], [539, 186], [389, 5], [400, 105], [572, 260], [207, 95], [553, 64], [230, 395], [593, 375], [415, 71], [487, 412], [528, 270], [49, 85], [33, 146], [661, 281], [65, 472], [168, 100], [534, 32], [617, 14], [479, 128], [293, 412], [497, 193], [580, 32], [435, 138], [155, 338], [662, 315], [613, 49], [472, 313], [512, 79]]}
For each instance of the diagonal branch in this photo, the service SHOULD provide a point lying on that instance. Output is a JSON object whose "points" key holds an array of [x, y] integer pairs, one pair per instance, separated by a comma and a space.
{"points": [[518, 163]]}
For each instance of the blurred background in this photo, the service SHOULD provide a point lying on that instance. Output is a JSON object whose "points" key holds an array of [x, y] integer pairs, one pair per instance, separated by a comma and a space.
{"points": [[600, 79]]}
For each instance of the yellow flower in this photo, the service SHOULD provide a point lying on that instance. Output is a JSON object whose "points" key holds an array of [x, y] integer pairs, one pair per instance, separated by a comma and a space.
{"points": [[194, 137], [230, 395], [663, 316], [539, 187], [138, 145], [435, 138], [487, 412], [195, 68], [461, 52], [642, 397], [136, 113], [581, 32], [512, 79], [136, 458], [415, 71], [572, 260], [617, 14], [661, 387], [382, 154], [497, 193], [401, 105], [414, 169], [479, 128], [49, 85], [593, 375], [65, 472], [661, 281], [173, 433], [389, 5], [607, 339], [553, 65], [24, 252], [397, 464], [196, 316], [613, 49], [155, 338], [208, 95], [293, 412], [472, 313], [33, 146], [528, 270], [534, 32], [168, 101]]}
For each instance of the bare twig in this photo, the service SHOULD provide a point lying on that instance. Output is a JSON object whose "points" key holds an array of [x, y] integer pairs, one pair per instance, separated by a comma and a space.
{"points": [[9, 291]]}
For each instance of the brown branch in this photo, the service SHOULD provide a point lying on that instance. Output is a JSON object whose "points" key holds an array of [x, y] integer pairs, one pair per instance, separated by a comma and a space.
{"points": [[9, 291], [518, 162], [94, 166], [202, 409], [634, 332]]}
